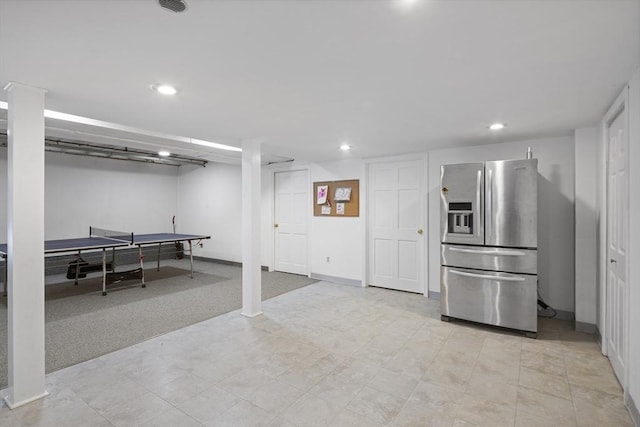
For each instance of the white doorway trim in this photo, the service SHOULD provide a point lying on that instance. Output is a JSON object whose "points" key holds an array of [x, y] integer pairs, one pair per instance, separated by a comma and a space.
{"points": [[270, 219], [420, 226], [291, 218], [620, 106]]}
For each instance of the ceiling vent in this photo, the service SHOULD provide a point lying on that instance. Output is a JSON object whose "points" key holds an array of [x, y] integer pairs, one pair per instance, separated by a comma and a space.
{"points": [[173, 5]]}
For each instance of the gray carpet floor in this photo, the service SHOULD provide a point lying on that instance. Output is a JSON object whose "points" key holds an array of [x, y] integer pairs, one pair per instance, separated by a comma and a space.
{"points": [[81, 324]]}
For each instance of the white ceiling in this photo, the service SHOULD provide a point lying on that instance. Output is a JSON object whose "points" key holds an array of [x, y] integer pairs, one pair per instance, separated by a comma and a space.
{"points": [[304, 75]]}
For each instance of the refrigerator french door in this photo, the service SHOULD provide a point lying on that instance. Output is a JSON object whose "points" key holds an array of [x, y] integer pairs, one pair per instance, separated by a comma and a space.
{"points": [[489, 231]]}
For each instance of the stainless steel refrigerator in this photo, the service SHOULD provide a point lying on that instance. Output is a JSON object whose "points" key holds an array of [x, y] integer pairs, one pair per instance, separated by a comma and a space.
{"points": [[489, 236]]}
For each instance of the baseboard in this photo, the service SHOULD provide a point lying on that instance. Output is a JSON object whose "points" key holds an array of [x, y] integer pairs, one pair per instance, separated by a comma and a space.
{"points": [[218, 261], [334, 279], [565, 315], [13, 405], [225, 262], [598, 337], [587, 328], [633, 411], [58, 264], [433, 295], [252, 315]]}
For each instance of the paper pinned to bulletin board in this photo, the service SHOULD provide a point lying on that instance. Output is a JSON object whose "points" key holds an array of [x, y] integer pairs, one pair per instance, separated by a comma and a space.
{"points": [[336, 198]]}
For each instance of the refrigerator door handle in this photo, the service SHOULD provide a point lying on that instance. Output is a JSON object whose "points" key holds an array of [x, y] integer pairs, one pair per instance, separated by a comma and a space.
{"points": [[489, 206], [488, 252], [487, 276], [478, 192]]}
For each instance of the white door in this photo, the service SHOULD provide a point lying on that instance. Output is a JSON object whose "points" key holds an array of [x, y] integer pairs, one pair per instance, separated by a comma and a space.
{"points": [[290, 226], [617, 231], [396, 244]]}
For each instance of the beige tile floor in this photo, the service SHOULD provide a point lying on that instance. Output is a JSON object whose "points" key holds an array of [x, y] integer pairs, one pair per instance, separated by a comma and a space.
{"points": [[338, 355]]}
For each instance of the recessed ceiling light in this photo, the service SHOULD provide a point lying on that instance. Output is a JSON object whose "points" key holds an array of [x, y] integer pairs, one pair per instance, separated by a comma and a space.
{"points": [[164, 153], [345, 147], [165, 89], [405, 5], [496, 126]]}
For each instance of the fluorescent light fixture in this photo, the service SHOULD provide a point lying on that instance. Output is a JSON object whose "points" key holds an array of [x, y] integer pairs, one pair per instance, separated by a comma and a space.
{"points": [[496, 126], [215, 145], [165, 89], [164, 153], [345, 147]]}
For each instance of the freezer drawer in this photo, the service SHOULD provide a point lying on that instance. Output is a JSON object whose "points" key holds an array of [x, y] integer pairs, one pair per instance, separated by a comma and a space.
{"points": [[500, 299], [496, 259]]}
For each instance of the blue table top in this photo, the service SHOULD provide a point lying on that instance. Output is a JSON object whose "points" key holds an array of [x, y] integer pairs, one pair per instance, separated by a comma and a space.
{"points": [[87, 243], [147, 239], [72, 245]]}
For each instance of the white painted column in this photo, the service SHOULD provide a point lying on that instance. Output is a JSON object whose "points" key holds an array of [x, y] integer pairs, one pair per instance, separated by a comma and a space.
{"points": [[251, 200], [25, 239]]}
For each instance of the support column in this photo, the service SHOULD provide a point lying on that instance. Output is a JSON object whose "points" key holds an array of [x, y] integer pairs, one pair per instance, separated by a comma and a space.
{"points": [[251, 200], [25, 241]]}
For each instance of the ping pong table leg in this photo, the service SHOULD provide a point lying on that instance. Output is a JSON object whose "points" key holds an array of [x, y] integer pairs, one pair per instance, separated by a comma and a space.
{"points": [[77, 269], [191, 257], [6, 275], [141, 265], [104, 271], [159, 246]]}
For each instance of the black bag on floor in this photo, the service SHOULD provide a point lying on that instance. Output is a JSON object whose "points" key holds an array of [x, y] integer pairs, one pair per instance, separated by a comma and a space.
{"points": [[71, 270]]}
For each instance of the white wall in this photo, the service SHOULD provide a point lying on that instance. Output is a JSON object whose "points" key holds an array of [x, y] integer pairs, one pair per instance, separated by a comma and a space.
{"points": [[210, 202], [82, 191], [3, 195], [586, 257], [601, 242], [340, 239], [555, 210], [634, 239]]}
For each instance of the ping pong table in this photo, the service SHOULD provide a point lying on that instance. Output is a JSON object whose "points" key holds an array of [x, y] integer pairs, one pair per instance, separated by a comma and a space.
{"points": [[102, 239]]}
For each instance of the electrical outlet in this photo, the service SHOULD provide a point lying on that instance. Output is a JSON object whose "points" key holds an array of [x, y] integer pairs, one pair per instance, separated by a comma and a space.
{"points": [[328, 259]]}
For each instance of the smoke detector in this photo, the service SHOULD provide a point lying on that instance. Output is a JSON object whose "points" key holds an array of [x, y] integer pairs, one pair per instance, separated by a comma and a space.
{"points": [[173, 5]]}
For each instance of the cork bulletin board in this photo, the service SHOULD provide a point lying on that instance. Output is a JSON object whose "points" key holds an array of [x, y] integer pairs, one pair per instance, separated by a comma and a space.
{"points": [[336, 198]]}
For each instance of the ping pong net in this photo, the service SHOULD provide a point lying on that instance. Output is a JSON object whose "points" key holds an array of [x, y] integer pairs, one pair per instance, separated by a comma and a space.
{"points": [[120, 236]]}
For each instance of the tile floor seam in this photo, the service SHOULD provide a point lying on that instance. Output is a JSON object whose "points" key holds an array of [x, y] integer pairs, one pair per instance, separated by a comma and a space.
{"points": [[347, 403], [403, 405], [473, 368], [283, 410], [172, 405], [573, 404]]}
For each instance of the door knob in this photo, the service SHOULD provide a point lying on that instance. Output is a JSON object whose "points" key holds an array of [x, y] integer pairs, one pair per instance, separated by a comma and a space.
{"points": [[275, 225], [420, 231], [612, 260]]}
